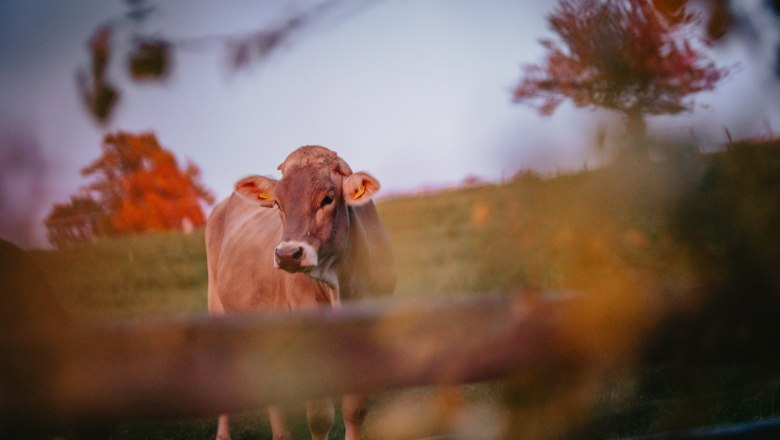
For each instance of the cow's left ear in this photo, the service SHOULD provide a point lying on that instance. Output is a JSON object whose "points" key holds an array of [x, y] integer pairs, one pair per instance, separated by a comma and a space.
{"points": [[257, 188], [359, 188]]}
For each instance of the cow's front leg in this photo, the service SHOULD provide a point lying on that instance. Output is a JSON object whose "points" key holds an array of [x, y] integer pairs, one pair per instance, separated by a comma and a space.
{"points": [[320, 414], [354, 409], [279, 427], [223, 428]]}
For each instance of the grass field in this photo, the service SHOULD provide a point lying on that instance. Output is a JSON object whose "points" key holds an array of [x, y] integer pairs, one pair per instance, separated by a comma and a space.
{"points": [[653, 243]]}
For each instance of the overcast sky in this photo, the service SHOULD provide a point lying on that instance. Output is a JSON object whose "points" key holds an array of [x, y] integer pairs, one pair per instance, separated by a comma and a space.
{"points": [[417, 92]]}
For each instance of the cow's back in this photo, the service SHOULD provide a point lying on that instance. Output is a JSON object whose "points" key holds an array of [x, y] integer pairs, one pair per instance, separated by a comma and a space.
{"points": [[240, 241]]}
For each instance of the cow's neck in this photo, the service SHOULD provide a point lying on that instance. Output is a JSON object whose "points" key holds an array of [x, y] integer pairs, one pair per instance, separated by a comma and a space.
{"points": [[366, 267], [353, 265], [327, 272], [338, 270]]}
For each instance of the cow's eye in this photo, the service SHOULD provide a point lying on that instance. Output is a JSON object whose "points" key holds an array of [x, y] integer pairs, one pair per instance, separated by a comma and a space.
{"points": [[326, 201]]}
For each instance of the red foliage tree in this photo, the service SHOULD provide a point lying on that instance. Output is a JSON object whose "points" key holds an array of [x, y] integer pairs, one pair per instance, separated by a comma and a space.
{"points": [[630, 56], [139, 186], [79, 220]]}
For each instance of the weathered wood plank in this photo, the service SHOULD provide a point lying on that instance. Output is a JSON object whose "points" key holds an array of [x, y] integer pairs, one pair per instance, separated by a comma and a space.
{"points": [[202, 365]]}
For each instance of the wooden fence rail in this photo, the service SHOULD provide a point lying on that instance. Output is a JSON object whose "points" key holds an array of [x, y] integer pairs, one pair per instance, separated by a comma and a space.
{"points": [[91, 375], [202, 366], [56, 373]]}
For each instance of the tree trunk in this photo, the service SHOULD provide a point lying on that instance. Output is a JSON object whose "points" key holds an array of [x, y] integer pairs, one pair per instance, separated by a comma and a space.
{"points": [[637, 146]]}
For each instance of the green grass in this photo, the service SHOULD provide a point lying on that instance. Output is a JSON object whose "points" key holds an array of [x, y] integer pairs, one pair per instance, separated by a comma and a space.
{"points": [[525, 234], [156, 273], [651, 243]]}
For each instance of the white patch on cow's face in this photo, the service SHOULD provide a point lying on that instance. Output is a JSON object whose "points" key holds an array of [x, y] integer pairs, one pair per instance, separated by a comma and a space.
{"points": [[295, 256]]}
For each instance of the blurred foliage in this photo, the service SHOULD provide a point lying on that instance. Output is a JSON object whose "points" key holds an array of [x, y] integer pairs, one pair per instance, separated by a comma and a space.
{"points": [[151, 57], [82, 219], [674, 265], [98, 94], [728, 225], [638, 45], [630, 56], [139, 186]]}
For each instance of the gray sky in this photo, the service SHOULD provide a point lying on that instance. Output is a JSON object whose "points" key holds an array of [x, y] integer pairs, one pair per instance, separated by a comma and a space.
{"points": [[417, 92]]}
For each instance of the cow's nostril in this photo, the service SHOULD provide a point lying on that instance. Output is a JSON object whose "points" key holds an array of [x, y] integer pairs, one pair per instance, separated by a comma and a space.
{"points": [[290, 253], [295, 256]]}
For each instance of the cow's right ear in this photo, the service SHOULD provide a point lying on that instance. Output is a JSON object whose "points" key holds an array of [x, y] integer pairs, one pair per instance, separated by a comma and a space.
{"points": [[257, 188], [359, 188]]}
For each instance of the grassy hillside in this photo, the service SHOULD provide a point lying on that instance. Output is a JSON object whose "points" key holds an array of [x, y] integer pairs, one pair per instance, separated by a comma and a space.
{"points": [[683, 253], [152, 274], [527, 234]]}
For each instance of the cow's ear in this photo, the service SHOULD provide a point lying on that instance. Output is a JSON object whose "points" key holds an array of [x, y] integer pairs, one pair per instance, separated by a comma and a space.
{"points": [[257, 188], [359, 188]]}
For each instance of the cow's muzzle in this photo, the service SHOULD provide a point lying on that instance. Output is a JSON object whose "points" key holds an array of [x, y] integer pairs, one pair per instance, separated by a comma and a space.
{"points": [[295, 256]]}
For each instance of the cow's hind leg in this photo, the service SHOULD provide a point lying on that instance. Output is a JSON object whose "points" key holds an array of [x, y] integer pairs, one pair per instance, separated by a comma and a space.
{"points": [[278, 423], [320, 414], [223, 428], [353, 408]]}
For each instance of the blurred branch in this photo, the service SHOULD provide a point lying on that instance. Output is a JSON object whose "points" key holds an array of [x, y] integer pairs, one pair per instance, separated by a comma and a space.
{"points": [[152, 56], [97, 93]]}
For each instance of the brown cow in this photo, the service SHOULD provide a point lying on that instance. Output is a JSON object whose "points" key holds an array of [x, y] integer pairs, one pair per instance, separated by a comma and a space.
{"points": [[319, 225]]}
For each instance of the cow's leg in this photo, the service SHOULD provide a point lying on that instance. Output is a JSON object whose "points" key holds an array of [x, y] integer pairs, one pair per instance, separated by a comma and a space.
{"points": [[216, 309], [353, 407], [320, 414], [279, 427], [223, 428]]}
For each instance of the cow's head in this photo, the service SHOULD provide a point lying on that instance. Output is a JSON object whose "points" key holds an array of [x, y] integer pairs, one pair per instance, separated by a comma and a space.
{"points": [[312, 197]]}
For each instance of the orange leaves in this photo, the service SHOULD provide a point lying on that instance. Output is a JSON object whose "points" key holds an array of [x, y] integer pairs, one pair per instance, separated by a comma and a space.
{"points": [[148, 190], [139, 186]]}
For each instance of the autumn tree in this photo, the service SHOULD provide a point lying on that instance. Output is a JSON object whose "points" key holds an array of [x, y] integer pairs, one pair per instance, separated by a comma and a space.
{"points": [[79, 220], [629, 56], [138, 186]]}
